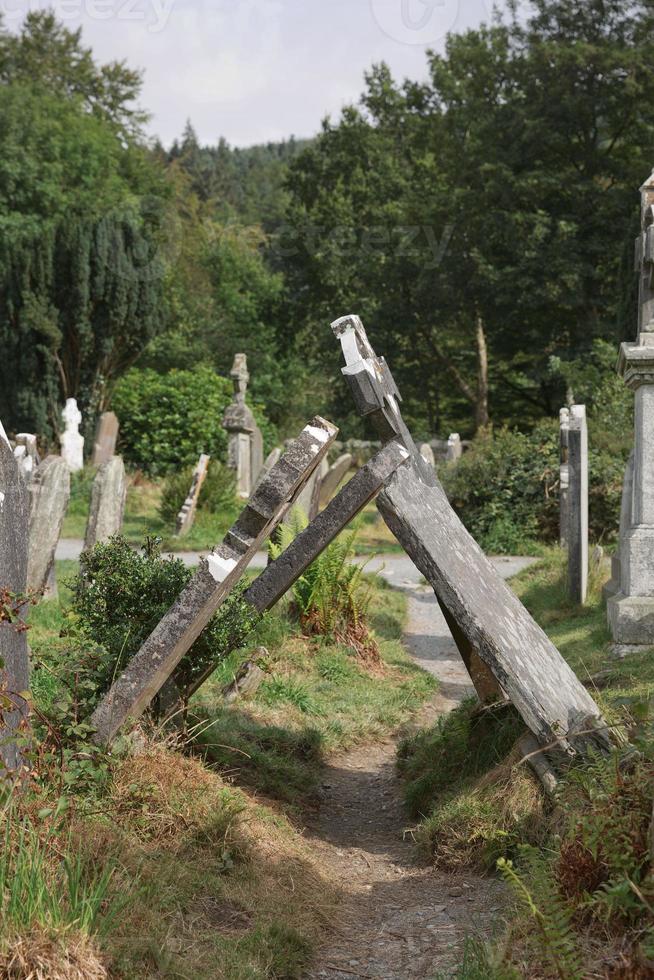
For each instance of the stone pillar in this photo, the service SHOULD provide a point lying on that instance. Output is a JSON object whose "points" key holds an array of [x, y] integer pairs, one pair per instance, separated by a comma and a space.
{"points": [[577, 533], [631, 611], [72, 442], [245, 443], [564, 477]]}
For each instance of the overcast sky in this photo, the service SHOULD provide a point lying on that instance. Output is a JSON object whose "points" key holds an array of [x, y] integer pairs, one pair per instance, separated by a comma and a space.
{"points": [[257, 70]]}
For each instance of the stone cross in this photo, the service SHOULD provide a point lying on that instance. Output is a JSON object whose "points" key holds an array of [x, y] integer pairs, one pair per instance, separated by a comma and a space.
{"points": [[107, 507], [503, 648], [245, 443], [186, 516], [564, 476], [577, 530], [631, 610], [14, 663], [106, 437], [217, 575], [49, 496], [72, 442]]}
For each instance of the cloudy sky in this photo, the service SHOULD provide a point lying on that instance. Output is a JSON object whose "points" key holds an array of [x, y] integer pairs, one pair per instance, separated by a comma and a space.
{"points": [[257, 70]]}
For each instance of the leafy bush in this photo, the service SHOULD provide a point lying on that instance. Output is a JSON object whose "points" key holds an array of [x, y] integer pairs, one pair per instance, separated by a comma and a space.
{"points": [[218, 492], [119, 597], [167, 420]]}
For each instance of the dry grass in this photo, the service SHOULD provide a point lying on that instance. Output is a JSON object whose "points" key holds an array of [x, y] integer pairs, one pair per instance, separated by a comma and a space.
{"points": [[41, 955]]}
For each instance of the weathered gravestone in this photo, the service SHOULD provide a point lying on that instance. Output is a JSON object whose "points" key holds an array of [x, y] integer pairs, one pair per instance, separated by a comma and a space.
{"points": [[334, 477], [49, 495], [186, 515], [14, 663], [308, 501], [631, 610], [427, 454], [26, 453], [564, 476], [106, 437], [577, 536], [454, 448], [171, 639], [72, 442], [486, 617], [245, 442], [107, 507]]}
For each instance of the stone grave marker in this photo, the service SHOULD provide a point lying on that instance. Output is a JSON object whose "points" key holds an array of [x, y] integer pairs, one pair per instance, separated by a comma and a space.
{"points": [[631, 610], [564, 476], [186, 516], [217, 574], [454, 448], [106, 437], [108, 497], [72, 442], [245, 442], [334, 477], [14, 672], [577, 534], [488, 619], [309, 500], [49, 496], [27, 454], [427, 454]]}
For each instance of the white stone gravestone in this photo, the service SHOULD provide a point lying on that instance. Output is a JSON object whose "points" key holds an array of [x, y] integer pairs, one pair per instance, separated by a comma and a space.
{"points": [[72, 441]]}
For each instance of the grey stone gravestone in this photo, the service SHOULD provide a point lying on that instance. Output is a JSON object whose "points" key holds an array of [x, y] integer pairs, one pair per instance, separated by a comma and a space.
{"points": [[49, 496], [108, 498], [488, 618], [577, 535], [564, 476], [454, 448], [427, 454], [154, 663], [245, 442], [334, 477], [308, 501], [186, 516], [631, 610], [106, 437], [14, 668]]}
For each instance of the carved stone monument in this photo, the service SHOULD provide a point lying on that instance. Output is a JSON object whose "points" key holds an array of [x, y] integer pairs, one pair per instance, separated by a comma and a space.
{"points": [[106, 437], [49, 496], [631, 610], [14, 664], [72, 442], [577, 533], [186, 515], [245, 443], [502, 646], [108, 498]]}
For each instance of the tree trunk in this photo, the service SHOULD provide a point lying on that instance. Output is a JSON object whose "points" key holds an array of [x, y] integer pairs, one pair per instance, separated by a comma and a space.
{"points": [[482, 418]]}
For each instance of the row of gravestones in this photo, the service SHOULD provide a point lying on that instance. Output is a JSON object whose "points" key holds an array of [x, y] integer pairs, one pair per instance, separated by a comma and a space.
{"points": [[448, 451], [630, 592]]}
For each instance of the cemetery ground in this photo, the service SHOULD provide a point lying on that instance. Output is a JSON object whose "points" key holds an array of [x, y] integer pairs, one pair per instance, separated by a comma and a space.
{"points": [[240, 850]]}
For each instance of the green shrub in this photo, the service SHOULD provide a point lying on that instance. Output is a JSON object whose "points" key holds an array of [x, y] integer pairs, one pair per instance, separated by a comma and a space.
{"points": [[218, 494], [167, 420], [119, 597]]}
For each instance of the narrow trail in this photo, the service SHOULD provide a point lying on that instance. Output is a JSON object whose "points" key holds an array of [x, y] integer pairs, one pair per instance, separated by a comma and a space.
{"points": [[400, 920]]}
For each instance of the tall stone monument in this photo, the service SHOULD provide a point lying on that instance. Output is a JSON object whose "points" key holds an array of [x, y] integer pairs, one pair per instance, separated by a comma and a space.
{"points": [[14, 669], [106, 436], [577, 517], [72, 442], [631, 610], [245, 443], [108, 498]]}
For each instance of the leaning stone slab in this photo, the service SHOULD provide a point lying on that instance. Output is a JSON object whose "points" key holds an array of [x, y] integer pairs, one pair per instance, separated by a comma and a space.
{"points": [[171, 639], [14, 668], [49, 496], [108, 498], [485, 616], [334, 477], [106, 437], [186, 516]]}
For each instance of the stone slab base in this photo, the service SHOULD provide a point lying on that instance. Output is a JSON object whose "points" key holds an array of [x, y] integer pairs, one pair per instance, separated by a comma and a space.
{"points": [[631, 619]]}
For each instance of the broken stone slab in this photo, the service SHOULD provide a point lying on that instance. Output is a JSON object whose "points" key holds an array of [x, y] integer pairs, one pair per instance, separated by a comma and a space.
{"points": [[248, 679], [529, 669], [49, 495], [334, 477], [216, 576], [186, 516], [14, 657], [273, 583], [108, 497], [106, 437]]}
